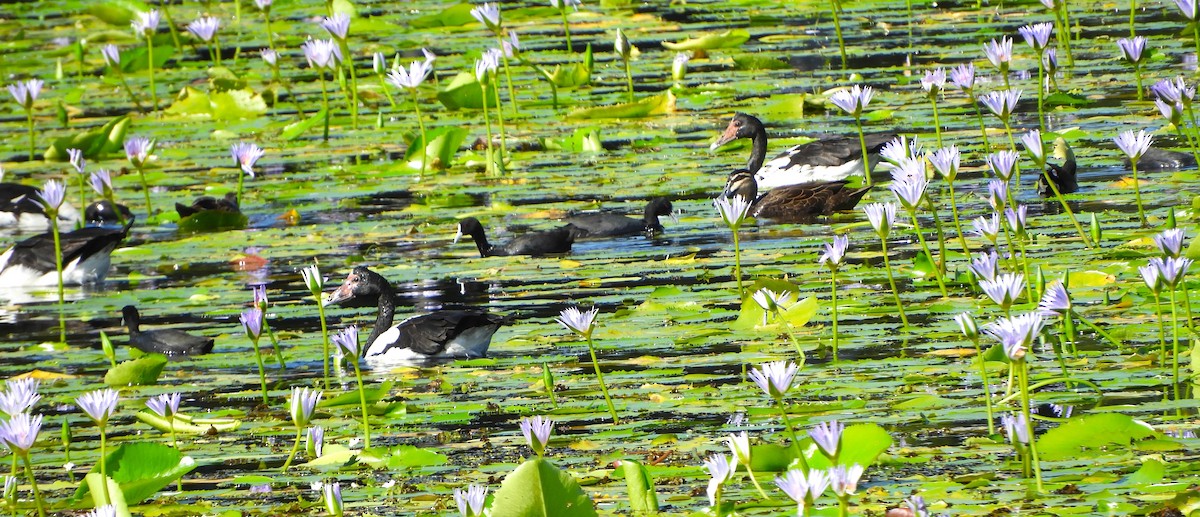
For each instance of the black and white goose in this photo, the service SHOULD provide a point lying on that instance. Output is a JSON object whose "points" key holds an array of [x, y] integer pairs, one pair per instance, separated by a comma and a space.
{"points": [[20, 208], [86, 253], [794, 203], [442, 334], [604, 224], [829, 158]]}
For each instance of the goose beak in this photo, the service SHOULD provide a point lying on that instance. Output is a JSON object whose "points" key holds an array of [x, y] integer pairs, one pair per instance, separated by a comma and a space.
{"points": [[729, 135], [458, 235], [339, 295]]}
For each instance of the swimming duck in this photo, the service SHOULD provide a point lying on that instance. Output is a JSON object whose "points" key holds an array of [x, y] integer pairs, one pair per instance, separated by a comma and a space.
{"points": [[558, 240], [1162, 159], [169, 342], [830, 158], [204, 203], [794, 203], [1063, 176], [441, 334], [104, 213], [85, 257], [614, 225], [21, 207]]}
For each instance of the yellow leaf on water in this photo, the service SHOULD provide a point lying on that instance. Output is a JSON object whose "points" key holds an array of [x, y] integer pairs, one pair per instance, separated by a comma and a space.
{"points": [[569, 264], [43, 375], [1090, 279]]}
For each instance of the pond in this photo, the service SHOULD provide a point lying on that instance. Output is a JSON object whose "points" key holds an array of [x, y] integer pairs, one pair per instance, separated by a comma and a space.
{"points": [[675, 339]]}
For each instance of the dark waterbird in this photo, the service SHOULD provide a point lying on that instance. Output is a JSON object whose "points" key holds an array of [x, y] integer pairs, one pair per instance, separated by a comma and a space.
{"points": [[206, 203], [442, 334], [85, 257], [615, 225], [1064, 175], [169, 342], [1157, 159], [105, 213], [794, 203], [829, 158], [545, 242], [21, 207]]}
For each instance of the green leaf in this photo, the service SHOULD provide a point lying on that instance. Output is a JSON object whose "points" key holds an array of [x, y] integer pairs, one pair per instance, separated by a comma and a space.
{"points": [[213, 221], [442, 143], [454, 16], [751, 314], [350, 398], [727, 39], [410, 456], [656, 105], [117, 12], [465, 92], [1152, 472], [574, 74], [137, 59], [222, 105], [141, 469], [185, 424], [95, 143], [112, 496], [1091, 435], [143, 371], [642, 498], [295, 129], [861, 444], [1066, 99], [538, 489], [583, 140]]}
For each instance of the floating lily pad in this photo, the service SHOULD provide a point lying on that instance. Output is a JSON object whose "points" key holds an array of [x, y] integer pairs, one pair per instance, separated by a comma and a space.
{"points": [[728, 39]]}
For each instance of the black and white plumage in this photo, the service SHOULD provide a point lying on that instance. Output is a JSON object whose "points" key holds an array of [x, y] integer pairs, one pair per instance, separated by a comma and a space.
{"points": [[86, 253], [441, 334], [169, 342], [616, 225], [829, 158], [794, 203], [545, 242], [21, 208], [1064, 176]]}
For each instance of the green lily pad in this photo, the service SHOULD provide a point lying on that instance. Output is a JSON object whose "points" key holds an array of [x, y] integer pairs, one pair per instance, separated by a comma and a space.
{"points": [[656, 105], [95, 143], [141, 469], [539, 489], [456, 15], [465, 92], [213, 221], [185, 424], [1092, 435], [143, 371]]}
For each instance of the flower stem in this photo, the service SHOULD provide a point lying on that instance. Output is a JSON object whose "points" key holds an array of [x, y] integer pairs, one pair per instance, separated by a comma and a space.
{"points": [[937, 274], [175, 444], [324, 335], [987, 389], [262, 371], [325, 104], [1162, 333], [1023, 380], [612, 411], [1067, 208], [566, 28], [490, 163], [500, 126], [58, 266], [1137, 194], [295, 448], [171, 25], [362, 400], [1116, 342], [862, 143], [274, 340], [887, 265], [37, 495], [1041, 89], [512, 95], [737, 264], [628, 80], [103, 464], [129, 91], [787, 424], [791, 336], [937, 125], [979, 118], [150, 65], [962, 238], [145, 192], [29, 124], [834, 305], [421, 125], [1175, 350], [836, 7]]}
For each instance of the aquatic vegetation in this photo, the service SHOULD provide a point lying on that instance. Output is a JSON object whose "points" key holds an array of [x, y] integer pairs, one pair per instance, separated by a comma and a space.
{"points": [[583, 323]]}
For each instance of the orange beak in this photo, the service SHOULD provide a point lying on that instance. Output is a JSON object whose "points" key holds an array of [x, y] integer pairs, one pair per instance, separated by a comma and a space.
{"points": [[729, 135]]}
